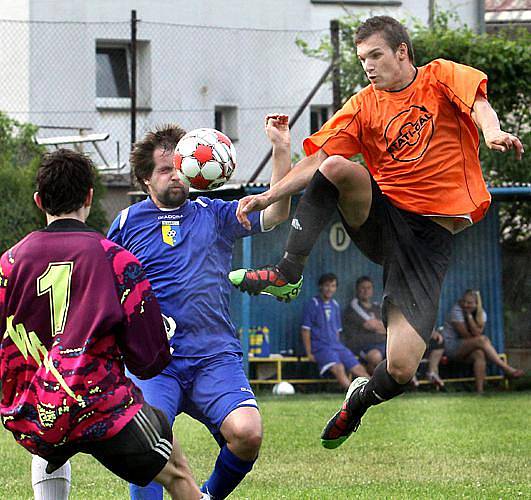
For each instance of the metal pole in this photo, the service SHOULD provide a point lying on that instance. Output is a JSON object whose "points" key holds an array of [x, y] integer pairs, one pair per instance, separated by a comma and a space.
{"points": [[133, 77], [431, 13], [481, 16], [293, 120], [336, 70]]}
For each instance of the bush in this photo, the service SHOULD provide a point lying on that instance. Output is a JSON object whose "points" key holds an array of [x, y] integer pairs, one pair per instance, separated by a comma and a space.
{"points": [[19, 160]]}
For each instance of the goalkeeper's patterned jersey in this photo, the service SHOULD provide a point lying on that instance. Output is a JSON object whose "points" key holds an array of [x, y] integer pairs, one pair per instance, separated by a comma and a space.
{"points": [[73, 307], [187, 254]]}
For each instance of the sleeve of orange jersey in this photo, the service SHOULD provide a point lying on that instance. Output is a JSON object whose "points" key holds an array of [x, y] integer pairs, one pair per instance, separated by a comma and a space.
{"points": [[339, 135], [460, 83]]}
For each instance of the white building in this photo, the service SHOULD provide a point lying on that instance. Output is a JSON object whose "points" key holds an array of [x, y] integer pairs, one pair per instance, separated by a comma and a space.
{"points": [[66, 63]]}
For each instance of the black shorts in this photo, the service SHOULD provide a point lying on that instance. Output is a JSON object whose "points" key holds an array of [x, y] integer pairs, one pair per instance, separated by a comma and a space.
{"points": [[414, 252], [136, 454]]}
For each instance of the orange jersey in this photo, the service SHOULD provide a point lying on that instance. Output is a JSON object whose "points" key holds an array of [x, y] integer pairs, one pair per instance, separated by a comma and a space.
{"points": [[420, 143]]}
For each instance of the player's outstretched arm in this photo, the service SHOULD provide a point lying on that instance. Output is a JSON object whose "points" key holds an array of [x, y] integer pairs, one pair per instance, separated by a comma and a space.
{"points": [[277, 130], [295, 181], [496, 139]]}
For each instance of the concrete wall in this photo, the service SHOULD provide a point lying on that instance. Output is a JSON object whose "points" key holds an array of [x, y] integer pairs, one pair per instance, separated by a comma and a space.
{"points": [[193, 56]]}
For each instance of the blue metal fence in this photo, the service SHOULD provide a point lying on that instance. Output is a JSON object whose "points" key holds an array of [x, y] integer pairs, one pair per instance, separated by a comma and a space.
{"points": [[476, 263]]}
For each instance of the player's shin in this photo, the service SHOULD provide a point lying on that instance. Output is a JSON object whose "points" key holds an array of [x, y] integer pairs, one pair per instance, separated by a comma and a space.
{"points": [[228, 472], [314, 210], [381, 387]]}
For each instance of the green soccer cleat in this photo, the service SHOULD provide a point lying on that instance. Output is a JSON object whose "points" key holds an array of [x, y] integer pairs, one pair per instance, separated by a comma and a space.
{"points": [[267, 280], [340, 427]]}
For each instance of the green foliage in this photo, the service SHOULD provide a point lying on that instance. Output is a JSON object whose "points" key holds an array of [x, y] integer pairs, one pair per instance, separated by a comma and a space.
{"points": [[504, 57], [19, 160]]}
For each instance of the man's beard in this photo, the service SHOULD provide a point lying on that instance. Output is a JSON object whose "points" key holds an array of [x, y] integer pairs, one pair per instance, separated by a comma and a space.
{"points": [[172, 199]]}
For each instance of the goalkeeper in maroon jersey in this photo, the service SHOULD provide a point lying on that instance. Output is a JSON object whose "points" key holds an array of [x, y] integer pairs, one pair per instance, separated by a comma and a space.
{"points": [[74, 307]]}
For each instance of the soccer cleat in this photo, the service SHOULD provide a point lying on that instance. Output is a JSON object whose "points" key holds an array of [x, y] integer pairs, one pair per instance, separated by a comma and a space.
{"points": [[344, 422], [267, 280]]}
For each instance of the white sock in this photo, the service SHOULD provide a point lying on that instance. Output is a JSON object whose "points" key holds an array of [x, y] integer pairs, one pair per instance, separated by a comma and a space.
{"points": [[54, 486]]}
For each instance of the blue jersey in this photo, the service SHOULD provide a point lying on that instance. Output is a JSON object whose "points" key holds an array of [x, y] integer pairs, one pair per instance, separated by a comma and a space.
{"points": [[187, 254], [323, 319]]}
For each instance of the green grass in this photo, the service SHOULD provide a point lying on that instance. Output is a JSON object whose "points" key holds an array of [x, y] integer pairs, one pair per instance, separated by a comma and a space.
{"points": [[417, 446]]}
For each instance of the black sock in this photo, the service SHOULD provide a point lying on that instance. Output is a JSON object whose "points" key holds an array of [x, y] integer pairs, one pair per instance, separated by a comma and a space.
{"points": [[381, 387], [314, 210], [291, 267]]}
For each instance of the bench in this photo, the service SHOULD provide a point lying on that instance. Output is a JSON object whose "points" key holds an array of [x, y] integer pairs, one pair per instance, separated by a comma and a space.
{"points": [[270, 370], [461, 379]]}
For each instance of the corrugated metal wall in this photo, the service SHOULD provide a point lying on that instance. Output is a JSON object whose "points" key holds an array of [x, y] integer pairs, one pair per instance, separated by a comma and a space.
{"points": [[476, 264]]}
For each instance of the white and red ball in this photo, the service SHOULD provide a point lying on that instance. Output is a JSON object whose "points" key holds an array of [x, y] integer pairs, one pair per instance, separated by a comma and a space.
{"points": [[205, 159]]}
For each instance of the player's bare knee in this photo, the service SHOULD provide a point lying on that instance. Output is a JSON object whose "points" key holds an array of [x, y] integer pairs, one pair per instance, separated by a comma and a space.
{"points": [[339, 170], [401, 370], [248, 436]]}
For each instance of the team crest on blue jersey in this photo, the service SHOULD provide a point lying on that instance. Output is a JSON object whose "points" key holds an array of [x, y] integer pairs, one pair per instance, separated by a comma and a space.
{"points": [[171, 232]]}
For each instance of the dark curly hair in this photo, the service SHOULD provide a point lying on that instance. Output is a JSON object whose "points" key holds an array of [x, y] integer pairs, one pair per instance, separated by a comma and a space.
{"points": [[64, 179]]}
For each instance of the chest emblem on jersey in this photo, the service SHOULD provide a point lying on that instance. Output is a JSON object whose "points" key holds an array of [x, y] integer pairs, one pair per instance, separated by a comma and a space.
{"points": [[409, 133], [171, 232]]}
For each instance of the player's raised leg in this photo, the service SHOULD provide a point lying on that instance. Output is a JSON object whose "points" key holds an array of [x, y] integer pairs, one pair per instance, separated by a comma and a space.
{"points": [[405, 348], [337, 183]]}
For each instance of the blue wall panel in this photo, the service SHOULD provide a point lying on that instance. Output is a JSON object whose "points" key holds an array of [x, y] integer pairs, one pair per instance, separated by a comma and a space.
{"points": [[476, 263]]}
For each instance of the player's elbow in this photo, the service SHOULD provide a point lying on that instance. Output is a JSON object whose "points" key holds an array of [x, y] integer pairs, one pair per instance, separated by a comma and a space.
{"points": [[145, 371]]}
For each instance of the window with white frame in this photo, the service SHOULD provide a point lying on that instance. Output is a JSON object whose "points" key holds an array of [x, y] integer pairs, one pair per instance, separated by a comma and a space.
{"points": [[113, 74], [226, 121]]}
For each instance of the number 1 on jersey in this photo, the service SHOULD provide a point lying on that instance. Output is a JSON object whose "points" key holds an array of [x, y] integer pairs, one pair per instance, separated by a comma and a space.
{"points": [[56, 281]]}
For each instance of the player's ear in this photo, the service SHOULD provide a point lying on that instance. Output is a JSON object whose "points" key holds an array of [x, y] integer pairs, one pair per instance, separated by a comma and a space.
{"points": [[402, 52], [37, 200], [88, 199]]}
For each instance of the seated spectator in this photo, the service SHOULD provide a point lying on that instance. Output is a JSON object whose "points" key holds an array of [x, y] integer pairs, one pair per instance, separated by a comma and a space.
{"points": [[364, 332], [435, 353], [320, 334], [465, 341]]}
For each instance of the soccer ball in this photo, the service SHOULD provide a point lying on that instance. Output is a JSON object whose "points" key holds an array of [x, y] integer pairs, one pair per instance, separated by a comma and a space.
{"points": [[205, 159], [283, 389]]}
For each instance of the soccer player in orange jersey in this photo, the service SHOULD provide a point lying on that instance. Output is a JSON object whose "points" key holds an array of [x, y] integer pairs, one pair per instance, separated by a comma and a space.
{"points": [[417, 129]]}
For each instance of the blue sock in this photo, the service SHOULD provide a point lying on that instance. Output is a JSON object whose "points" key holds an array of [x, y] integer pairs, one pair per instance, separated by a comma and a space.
{"points": [[227, 474], [153, 491]]}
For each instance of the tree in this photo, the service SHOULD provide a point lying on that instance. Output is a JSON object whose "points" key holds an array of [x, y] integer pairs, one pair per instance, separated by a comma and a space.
{"points": [[504, 57], [19, 160]]}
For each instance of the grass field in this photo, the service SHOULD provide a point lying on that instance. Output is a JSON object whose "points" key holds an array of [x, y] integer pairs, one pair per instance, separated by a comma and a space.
{"points": [[418, 446]]}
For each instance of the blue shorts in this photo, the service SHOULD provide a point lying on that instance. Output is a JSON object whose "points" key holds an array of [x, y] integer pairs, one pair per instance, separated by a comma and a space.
{"points": [[207, 389], [328, 357], [381, 346]]}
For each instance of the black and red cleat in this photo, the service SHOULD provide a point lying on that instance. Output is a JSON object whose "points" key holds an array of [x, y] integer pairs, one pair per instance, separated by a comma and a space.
{"points": [[267, 280], [345, 421]]}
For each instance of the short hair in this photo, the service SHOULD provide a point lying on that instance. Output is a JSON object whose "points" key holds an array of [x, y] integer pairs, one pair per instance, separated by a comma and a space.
{"points": [[64, 180], [166, 136], [327, 277], [394, 33], [362, 279]]}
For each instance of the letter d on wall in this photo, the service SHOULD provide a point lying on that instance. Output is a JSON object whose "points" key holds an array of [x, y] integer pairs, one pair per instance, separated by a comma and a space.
{"points": [[338, 237]]}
